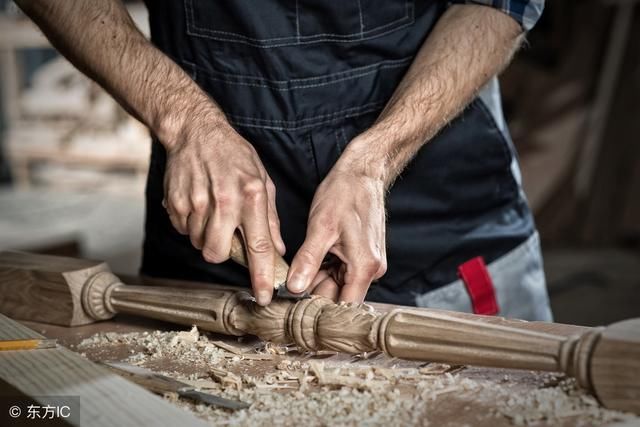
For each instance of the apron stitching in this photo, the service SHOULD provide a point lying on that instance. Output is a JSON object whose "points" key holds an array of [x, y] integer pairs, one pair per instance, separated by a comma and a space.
{"points": [[296, 125], [189, 13], [264, 45], [330, 78], [297, 22], [314, 37], [361, 19], [309, 86], [310, 119]]}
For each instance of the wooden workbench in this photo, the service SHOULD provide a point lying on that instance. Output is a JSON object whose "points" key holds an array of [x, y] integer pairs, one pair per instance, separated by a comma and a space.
{"points": [[439, 396]]}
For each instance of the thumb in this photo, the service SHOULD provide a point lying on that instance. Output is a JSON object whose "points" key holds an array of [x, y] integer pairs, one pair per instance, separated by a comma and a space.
{"points": [[306, 263]]}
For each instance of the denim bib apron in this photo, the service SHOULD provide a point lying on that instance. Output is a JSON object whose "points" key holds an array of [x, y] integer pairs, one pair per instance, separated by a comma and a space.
{"points": [[299, 79]]}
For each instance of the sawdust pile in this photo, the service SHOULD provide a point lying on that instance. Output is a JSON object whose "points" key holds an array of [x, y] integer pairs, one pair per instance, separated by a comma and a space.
{"points": [[554, 404], [564, 404], [187, 346], [305, 390]]}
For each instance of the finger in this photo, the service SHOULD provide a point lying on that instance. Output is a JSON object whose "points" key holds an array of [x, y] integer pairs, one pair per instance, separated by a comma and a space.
{"points": [[259, 247], [322, 274], [354, 292], [178, 209], [200, 211], [196, 225], [362, 268], [179, 222], [327, 288], [218, 234], [176, 201], [274, 220], [306, 263]]}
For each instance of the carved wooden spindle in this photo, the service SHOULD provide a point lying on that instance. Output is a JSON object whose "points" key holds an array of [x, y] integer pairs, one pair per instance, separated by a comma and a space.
{"points": [[605, 361], [73, 292], [104, 295]]}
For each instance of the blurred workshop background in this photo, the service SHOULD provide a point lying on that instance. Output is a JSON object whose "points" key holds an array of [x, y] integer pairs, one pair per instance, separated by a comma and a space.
{"points": [[73, 163]]}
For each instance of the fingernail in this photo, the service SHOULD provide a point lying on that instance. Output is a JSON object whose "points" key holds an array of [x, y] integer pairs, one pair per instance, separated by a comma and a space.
{"points": [[263, 297], [296, 284]]}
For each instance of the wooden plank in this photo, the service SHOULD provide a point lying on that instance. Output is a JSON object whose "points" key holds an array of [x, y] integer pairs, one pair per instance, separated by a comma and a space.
{"points": [[105, 398], [49, 288], [10, 330]]}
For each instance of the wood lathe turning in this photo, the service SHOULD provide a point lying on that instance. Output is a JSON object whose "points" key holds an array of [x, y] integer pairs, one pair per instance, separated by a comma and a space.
{"points": [[605, 361]]}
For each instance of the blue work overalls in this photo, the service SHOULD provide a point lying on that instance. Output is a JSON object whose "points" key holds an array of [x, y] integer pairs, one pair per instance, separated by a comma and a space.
{"points": [[299, 80]]}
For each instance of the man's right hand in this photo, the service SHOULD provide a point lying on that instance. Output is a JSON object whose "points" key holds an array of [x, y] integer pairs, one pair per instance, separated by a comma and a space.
{"points": [[215, 183]]}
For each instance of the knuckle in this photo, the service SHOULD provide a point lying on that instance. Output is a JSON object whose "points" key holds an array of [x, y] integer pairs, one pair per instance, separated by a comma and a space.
{"points": [[274, 223], [382, 270], [223, 199], [199, 201], [179, 204], [253, 189], [306, 256], [260, 245], [261, 279], [371, 265], [213, 256]]}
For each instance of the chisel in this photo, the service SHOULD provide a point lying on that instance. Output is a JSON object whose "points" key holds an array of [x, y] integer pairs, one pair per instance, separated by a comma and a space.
{"points": [[239, 255], [161, 384]]}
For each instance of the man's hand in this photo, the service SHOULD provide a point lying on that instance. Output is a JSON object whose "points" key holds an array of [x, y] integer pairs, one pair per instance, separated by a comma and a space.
{"points": [[469, 45], [347, 219], [214, 184]]}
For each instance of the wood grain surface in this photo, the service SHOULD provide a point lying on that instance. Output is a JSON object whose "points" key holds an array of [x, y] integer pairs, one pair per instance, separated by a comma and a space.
{"points": [[105, 398]]}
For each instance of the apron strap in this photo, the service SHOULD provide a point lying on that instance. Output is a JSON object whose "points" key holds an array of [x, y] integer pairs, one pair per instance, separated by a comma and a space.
{"points": [[476, 277]]}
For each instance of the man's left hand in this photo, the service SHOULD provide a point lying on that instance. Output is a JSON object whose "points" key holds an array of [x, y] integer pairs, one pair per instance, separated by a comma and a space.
{"points": [[347, 219]]}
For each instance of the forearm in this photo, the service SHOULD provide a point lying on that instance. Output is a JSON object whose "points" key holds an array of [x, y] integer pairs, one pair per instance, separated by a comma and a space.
{"points": [[100, 38], [468, 46]]}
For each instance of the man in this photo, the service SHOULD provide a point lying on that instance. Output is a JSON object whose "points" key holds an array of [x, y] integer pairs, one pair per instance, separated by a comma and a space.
{"points": [[364, 115]]}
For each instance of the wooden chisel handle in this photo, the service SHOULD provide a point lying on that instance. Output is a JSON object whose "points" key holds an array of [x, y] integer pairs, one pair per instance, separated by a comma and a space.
{"points": [[239, 255]]}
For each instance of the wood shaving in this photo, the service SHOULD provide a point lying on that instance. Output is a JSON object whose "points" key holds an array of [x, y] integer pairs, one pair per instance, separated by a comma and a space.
{"points": [[190, 337], [434, 369], [552, 404], [235, 349], [145, 347], [281, 349], [339, 391], [227, 379]]}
